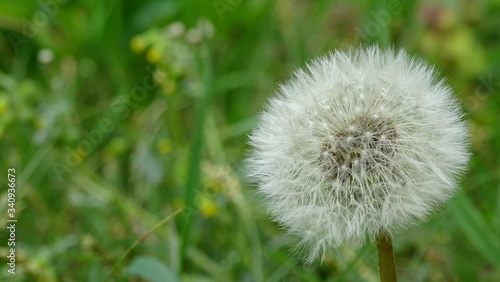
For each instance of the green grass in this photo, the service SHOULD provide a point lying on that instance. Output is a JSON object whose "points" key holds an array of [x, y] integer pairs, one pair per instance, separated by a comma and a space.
{"points": [[103, 156]]}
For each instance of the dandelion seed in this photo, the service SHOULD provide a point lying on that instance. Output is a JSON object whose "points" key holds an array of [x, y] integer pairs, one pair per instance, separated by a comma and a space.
{"points": [[381, 151]]}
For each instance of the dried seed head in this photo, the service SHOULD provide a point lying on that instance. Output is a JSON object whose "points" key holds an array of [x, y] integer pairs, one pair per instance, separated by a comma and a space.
{"points": [[363, 140]]}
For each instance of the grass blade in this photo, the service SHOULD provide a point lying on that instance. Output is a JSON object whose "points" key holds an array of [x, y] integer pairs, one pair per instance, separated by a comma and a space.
{"points": [[476, 228]]}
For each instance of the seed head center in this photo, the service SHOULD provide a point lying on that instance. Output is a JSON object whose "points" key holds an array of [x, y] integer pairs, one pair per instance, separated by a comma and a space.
{"points": [[365, 144]]}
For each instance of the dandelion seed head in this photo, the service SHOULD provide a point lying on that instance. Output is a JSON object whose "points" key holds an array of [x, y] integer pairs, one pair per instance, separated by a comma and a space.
{"points": [[359, 141]]}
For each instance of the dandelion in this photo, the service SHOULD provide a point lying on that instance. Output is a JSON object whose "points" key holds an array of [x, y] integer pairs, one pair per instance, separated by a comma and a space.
{"points": [[362, 144]]}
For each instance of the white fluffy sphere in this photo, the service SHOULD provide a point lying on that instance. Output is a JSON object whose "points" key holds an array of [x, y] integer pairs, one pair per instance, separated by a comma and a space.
{"points": [[361, 141]]}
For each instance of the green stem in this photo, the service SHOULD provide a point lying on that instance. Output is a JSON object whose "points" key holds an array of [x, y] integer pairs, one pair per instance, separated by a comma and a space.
{"points": [[194, 171], [142, 238], [386, 257]]}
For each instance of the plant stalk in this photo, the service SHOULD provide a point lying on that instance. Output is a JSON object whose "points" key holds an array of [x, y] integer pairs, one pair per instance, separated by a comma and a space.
{"points": [[386, 262]]}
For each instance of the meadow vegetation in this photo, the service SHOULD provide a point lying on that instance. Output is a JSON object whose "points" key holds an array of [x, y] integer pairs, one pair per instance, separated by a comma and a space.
{"points": [[116, 114]]}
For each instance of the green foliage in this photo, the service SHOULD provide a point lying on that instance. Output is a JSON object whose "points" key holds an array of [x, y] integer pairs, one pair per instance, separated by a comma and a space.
{"points": [[117, 113], [151, 269]]}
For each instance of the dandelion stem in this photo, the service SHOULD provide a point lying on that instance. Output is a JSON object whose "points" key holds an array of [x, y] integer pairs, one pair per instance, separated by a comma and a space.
{"points": [[386, 257]]}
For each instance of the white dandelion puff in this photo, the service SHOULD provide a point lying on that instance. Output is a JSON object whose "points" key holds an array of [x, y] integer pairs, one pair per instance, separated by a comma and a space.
{"points": [[361, 141]]}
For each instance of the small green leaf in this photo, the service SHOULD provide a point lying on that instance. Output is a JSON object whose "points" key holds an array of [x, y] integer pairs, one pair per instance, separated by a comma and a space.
{"points": [[151, 269]]}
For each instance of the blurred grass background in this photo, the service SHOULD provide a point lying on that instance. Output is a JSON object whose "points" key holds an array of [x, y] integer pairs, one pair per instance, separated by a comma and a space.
{"points": [[115, 114]]}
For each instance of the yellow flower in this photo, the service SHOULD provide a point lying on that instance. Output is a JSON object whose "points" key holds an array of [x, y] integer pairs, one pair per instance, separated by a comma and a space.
{"points": [[79, 156], [164, 146], [153, 55], [169, 87], [209, 209], [3, 105], [137, 44]]}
